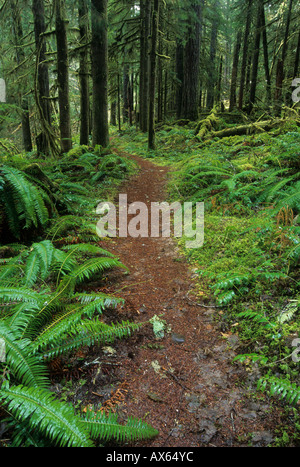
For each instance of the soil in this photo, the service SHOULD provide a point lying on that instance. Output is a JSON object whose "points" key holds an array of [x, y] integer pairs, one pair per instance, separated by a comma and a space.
{"points": [[185, 384]]}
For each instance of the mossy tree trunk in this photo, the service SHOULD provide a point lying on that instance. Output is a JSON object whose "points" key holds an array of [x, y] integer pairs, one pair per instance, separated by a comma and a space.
{"points": [[190, 90], [254, 69], [234, 72], [84, 72], [42, 77], [63, 77], [280, 62], [245, 55], [210, 99], [99, 53], [152, 81], [20, 56], [145, 16]]}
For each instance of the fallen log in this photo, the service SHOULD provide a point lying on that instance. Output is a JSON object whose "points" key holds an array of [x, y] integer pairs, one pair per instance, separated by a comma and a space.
{"points": [[205, 126], [255, 127]]}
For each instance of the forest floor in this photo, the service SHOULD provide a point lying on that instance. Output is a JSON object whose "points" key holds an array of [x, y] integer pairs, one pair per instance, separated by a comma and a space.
{"points": [[184, 384]]}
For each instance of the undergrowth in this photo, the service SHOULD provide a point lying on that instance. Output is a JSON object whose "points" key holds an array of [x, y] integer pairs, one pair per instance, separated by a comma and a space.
{"points": [[248, 265], [49, 252]]}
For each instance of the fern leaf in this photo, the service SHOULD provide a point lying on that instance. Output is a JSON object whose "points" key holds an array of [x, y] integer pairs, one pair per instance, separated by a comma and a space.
{"points": [[106, 427], [283, 388], [25, 367], [21, 294], [53, 418], [94, 266], [91, 333], [32, 269], [88, 249]]}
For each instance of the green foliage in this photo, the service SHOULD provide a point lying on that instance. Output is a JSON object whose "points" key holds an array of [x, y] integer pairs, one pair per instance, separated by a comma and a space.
{"points": [[248, 265], [44, 314], [39, 326], [283, 388], [23, 203]]}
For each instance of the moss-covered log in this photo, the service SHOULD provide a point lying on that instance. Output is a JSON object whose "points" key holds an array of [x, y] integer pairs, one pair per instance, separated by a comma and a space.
{"points": [[249, 129], [207, 125]]}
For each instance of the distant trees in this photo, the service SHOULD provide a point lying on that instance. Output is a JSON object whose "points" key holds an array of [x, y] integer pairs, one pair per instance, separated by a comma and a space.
{"points": [[76, 66]]}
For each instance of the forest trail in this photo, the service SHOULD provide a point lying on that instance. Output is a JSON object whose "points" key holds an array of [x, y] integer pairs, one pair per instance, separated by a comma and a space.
{"points": [[185, 384]]}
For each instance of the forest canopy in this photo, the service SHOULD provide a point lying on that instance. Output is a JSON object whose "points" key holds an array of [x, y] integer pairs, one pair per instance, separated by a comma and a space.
{"points": [[74, 66], [190, 100]]}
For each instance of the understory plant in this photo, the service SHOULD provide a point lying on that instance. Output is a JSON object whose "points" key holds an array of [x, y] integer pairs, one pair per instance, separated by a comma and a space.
{"points": [[46, 311], [248, 264]]}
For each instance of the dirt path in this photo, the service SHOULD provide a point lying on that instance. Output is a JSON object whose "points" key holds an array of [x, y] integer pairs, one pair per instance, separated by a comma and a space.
{"points": [[185, 384]]}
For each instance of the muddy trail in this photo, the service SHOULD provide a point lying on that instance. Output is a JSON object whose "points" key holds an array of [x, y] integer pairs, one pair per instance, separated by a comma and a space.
{"points": [[185, 384]]}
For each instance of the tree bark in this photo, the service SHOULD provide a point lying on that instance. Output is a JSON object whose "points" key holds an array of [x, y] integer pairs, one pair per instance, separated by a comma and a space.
{"points": [[266, 57], [43, 75], [99, 52], [152, 81], [63, 77], [280, 62], [190, 91], [44, 139], [245, 55], [18, 32], [84, 73], [254, 71], [234, 72], [297, 57], [145, 12], [211, 68], [179, 77]]}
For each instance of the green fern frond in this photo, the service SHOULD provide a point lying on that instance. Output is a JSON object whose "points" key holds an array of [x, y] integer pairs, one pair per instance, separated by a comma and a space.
{"points": [[106, 427], [88, 249], [91, 333], [22, 294], [283, 388], [94, 266], [25, 367], [257, 317], [99, 299], [42, 411], [28, 201]]}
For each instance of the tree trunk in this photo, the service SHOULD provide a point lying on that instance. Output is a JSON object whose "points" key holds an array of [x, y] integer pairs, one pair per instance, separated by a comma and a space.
{"points": [[152, 81], [234, 72], [245, 55], [280, 62], [190, 92], [297, 57], [99, 52], [266, 58], [63, 77], [145, 12], [212, 57], [179, 77], [113, 113], [126, 94], [84, 73], [254, 71], [42, 77], [18, 31], [219, 84]]}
